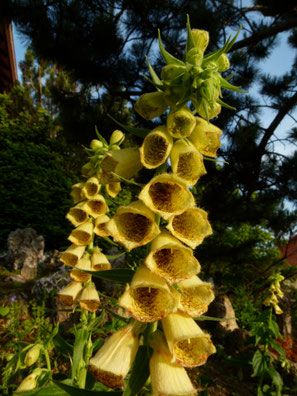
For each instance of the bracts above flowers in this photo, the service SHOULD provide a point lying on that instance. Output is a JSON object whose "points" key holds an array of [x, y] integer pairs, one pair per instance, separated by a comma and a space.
{"points": [[165, 286]]}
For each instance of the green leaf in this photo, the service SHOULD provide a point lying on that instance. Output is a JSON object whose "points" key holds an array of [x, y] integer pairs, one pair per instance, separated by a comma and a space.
{"points": [[78, 351], [140, 371], [275, 345], [114, 257], [140, 132], [273, 326], [46, 391], [117, 315], [62, 345], [168, 58], [190, 41], [70, 390], [4, 311], [259, 363], [121, 275], [276, 378], [204, 317]]}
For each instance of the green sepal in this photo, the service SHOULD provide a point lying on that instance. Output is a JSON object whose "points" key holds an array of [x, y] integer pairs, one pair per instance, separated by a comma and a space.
{"points": [[190, 41], [140, 132], [159, 87], [225, 84], [100, 137], [225, 105], [153, 74], [119, 317], [169, 59]]}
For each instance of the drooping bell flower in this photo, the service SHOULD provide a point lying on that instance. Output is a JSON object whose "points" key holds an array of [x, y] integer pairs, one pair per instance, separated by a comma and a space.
{"points": [[150, 105], [189, 345], [170, 259], [96, 205], [190, 227], [78, 214], [156, 147], [89, 298], [82, 235], [99, 261], [180, 123], [77, 273], [112, 362], [168, 377], [206, 137], [186, 162], [148, 297], [72, 254], [76, 192], [133, 225], [99, 226], [194, 296], [113, 189], [69, 294], [167, 195], [91, 187]]}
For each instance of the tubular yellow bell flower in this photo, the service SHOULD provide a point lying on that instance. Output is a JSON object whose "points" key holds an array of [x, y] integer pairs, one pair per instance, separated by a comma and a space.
{"points": [[201, 38], [112, 362], [82, 235], [91, 187], [32, 355], [206, 137], [125, 163], [113, 189], [69, 294], [190, 227], [156, 147], [100, 223], [76, 192], [72, 254], [148, 297], [133, 225], [99, 261], [78, 214], [97, 206], [166, 195], [29, 383], [180, 123], [150, 105], [171, 260], [168, 378], [195, 296], [189, 345], [186, 162], [77, 273], [89, 298]]}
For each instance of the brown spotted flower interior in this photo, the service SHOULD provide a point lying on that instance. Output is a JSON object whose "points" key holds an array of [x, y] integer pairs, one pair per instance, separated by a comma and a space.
{"points": [[167, 197], [107, 378], [149, 304], [196, 299], [193, 352], [132, 226], [79, 215], [191, 226], [155, 149], [69, 259], [92, 188], [189, 166], [96, 206], [89, 305], [81, 236]]}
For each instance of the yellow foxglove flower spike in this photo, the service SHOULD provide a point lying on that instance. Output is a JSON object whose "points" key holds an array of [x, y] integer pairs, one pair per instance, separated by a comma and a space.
{"points": [[150, 105], [76, 192], [167, 195], [156, 147], [97, 206], [113, 189], [180, 123], [78, 214], [195, 296], [189, 345], [89, 298], [82, 235], [77, 274], [168, 378], [171, 260], [100, 223], [133, 225], [91, 187], [148, 297], [112, 362], [187, 162], [125, 163], [206, 137], [69, 294], [72, 254], [99, 261], [190, 227]]}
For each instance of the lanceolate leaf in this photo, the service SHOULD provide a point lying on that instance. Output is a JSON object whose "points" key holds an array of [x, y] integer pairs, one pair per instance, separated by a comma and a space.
{"points": [[72, 391], [140, 132], [190, 42], [46, 391], [140, 371], [121, 275], [169, 59], [80, 341]]}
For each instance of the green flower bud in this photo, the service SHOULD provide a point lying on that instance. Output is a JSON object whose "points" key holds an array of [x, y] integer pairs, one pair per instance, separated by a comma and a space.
{"points": [[115, 147], [88, 170], [29, 383], [117, 137], [151, 105], [170, 72], [96, 144], [195, 56], [223, 63], [32, 355], [201, 38]]}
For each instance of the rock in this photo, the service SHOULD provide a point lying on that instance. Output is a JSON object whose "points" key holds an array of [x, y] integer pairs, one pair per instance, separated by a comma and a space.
{"points": [[55, 281], [25, 247]]}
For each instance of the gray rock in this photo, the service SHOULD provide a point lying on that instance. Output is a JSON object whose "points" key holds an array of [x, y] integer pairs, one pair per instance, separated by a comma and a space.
{"points": [[55, 281]]}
